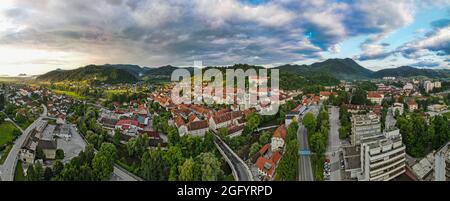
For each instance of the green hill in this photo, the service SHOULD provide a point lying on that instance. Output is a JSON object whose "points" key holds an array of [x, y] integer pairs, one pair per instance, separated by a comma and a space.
{"points": [[90, 73]]}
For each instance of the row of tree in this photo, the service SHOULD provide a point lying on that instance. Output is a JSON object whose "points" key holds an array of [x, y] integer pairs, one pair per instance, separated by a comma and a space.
{"points": [[421, 136], [287, 169], [87, 166]]}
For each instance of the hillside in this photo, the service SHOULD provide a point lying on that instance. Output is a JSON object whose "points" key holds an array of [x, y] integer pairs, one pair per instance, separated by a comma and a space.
{"points": [[338, 68], [407, 71], [90, 73]]}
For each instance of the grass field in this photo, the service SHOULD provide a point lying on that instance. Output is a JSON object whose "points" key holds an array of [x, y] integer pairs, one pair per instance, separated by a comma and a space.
{"points": [[6, 133], [70, 94], [18, 174], [5, 153]]}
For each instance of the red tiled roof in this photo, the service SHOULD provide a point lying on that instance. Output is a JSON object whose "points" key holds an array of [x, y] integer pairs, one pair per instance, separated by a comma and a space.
{"points": [[179, 121], [264, 149], [275, 157], [280, 132], [374, 95], [127, 122], [197, 125]]}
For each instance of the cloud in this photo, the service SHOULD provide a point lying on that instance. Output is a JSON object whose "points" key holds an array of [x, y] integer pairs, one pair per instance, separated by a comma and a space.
{"points": [[436, 41], [220, 32], [426, 64]]}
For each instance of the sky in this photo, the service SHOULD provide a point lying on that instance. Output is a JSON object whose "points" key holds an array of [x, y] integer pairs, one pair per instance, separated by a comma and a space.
{"points": [[40, 36]]}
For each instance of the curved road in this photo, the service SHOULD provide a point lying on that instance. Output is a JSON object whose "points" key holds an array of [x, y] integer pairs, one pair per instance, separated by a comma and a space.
{"points": [[241, 172]]}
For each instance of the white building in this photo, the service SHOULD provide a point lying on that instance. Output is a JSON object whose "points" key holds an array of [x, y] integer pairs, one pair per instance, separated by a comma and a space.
{"points": [[398, 107], [442, 163], [428, 86], [364, 127]]}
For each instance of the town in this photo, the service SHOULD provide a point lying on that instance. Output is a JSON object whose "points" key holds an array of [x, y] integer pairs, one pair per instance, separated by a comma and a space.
{"points": [[365, 130]]}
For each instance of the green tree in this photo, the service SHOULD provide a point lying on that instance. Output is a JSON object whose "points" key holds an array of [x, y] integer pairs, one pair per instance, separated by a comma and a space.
{"points": [[265, 137], [252, 121], [309, 122], [209, 166], [48, 174], [254, 149], [101, 167], [116, 137], [59, 154], [187, 170]]}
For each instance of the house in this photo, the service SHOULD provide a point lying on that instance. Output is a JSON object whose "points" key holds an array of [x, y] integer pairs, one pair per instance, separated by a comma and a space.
{"points": [[412, 104], [181, 126], [375, 97], [398, 107], [128, 126], [235, 131], [198, 128], [49, 148], [225, 120], [267, 164], [324, 95], [278, 138]]}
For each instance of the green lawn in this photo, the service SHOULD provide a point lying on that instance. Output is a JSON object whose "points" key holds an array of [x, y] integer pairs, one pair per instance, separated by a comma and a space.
{"points": [[70, 94], [6, 133], [5, 153], [18, 174]]}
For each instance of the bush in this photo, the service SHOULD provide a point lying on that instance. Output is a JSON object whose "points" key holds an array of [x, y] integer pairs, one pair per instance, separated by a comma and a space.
{"points": [[59, 154]]}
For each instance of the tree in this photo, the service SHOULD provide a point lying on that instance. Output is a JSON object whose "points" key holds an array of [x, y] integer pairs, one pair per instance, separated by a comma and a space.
{"points": [[317, 143], [48, 174], [57, 167], [223, 132], [2, 117], [116, 137], [292, 131], [137, 146], [187, 170], [209, 167], [101, 167], [153, 166], [40, 153], [288, 165], [359, 97], [252, 121], [265, 137], [59, 154], [309, 122], [254, 149]]}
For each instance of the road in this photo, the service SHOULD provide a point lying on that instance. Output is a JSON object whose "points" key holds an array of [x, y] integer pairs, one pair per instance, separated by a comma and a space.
{"points": [[241, 172], [334, 145], [8, 168], [304, 162]]}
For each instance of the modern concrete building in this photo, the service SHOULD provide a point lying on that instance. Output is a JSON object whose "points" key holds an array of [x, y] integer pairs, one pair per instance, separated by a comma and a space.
{"points": [[374, 155], [382, 159], [442, 163], [364, 127]]}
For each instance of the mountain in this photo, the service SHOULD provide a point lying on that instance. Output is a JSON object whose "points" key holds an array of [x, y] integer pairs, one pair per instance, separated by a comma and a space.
{"points": [[133, 69], [408, 71], [339, 68], [91, 73]]}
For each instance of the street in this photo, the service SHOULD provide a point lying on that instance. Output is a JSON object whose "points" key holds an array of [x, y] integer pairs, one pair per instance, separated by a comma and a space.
{"points": [[334, 144], [304, 162], [8, 168], [242, 171]]}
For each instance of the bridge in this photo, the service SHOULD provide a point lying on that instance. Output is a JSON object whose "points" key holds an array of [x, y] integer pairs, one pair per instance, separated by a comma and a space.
{"points": [[240, 170]]}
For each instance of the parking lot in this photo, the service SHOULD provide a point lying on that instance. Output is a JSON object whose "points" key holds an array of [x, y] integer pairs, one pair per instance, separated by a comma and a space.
{"points": [[73, 146]]}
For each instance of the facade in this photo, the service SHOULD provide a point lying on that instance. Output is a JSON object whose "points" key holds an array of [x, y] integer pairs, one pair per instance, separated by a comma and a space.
{"points": [[278, 138], [442, 163], [374, 156], [375, 97], [428, 86], [382, 159], [436, 108], [398, 107], [364, 127]]}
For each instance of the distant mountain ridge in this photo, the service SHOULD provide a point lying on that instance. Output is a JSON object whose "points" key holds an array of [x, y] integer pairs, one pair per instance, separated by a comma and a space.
{"points": [[344, 69]]}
